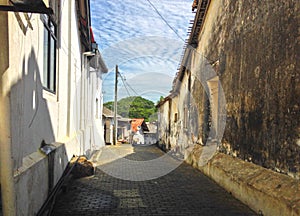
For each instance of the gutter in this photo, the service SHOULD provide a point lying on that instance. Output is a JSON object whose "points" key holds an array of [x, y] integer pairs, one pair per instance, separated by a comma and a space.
{"points": [[97, 62]]}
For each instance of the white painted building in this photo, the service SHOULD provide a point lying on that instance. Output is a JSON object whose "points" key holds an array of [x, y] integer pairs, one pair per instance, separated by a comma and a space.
{"points": [[50, 92]]}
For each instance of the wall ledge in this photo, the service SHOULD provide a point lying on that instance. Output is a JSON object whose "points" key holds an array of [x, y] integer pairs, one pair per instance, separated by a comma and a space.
{"points": [[31, 160], [265, 191]]}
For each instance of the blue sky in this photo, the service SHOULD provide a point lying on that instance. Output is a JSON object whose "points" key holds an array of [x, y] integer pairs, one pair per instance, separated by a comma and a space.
{"points": [[133, 35]]}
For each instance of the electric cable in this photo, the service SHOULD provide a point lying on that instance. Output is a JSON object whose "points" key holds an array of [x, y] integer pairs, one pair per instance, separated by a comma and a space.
{"points": [[124, 85], [125, 82], [161, 16], [132, 89]]}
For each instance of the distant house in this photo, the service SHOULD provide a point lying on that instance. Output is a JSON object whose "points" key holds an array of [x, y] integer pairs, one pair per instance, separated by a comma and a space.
{"points": [[124, 129], [138, 127], [151, 135], [123, 125], [108, 124]]}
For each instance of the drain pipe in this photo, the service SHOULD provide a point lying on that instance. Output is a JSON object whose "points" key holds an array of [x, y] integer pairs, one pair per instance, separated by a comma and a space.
{"points": [[6, 162]]}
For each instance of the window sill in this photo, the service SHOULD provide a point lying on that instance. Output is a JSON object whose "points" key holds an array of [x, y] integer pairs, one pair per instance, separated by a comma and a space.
{"points": [[48, 95]]}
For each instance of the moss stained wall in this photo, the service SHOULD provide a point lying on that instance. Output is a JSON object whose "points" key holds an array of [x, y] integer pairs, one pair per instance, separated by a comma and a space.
{"points": [[257, 44]]}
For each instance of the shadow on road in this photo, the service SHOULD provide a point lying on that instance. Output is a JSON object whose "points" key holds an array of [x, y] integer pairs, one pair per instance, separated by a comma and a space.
{"points": [[184, 191]]}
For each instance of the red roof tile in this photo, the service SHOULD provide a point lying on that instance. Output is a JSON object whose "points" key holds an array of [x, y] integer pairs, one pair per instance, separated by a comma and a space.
{"points": [[135, 123]]}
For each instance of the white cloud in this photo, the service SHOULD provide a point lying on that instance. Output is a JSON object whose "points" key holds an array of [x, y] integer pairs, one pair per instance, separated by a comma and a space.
{"points": [[148, 85], [132, 35]]}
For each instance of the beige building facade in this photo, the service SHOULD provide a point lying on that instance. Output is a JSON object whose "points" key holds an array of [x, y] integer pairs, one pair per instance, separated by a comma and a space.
{"points": [[236, 96]]}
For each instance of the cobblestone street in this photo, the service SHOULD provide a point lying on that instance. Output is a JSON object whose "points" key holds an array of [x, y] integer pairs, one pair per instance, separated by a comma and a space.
{"points": [[184, 191]]}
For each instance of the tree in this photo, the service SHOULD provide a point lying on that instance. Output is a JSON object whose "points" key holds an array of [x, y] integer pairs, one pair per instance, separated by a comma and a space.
{"points": [[134, 107], [160, 99]]}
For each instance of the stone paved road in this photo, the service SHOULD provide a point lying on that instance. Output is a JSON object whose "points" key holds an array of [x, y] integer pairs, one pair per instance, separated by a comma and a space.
{"points": [[184, 191]]}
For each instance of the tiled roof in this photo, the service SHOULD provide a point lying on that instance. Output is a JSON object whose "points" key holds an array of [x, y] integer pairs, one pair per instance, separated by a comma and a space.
{"points": [[135, 123], [197, 24], [108, 113], [192, 41]]}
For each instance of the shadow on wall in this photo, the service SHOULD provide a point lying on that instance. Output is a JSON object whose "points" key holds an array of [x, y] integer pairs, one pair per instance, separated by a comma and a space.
{"points": [[31, 126], [30, 117]]}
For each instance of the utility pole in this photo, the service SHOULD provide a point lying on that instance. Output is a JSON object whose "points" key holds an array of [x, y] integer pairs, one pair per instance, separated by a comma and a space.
{"points": [[115, 138]]}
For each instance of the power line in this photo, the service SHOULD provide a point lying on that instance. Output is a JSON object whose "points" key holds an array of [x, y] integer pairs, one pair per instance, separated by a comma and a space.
{"points": [[124, 81], [132, 89], [161, 16], [124, 84]]}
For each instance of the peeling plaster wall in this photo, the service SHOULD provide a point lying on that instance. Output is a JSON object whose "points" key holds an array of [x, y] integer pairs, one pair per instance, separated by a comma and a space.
{"points": [[175, 125], [183, 128], [163, 128], [257, 44]]}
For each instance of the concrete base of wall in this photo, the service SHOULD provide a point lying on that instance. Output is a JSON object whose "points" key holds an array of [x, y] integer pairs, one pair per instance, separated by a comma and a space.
{"points": [[32, 180], [263, 190]]}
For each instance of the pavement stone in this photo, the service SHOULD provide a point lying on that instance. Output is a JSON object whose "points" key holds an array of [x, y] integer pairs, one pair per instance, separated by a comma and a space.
{"points": [[184, 191]]}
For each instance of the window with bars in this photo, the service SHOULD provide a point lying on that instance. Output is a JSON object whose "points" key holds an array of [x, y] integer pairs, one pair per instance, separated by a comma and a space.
{"points": [[50, 43]]}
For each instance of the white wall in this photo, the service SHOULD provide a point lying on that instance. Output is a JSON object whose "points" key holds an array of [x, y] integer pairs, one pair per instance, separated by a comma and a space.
{"points": [[93, 112], [30, 116], [66, 119]]}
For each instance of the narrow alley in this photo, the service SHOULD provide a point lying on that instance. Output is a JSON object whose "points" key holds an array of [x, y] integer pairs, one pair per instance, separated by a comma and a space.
{"points": [[184, 191], [154, 107]]}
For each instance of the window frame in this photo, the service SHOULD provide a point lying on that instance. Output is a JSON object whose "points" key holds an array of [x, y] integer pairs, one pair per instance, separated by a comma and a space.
{"points": [[49, 81]]}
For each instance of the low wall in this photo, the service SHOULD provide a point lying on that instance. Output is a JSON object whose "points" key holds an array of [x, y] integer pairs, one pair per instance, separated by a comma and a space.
{"points": [[32, 180], [265, 191], [31, 184], [150, 138]]}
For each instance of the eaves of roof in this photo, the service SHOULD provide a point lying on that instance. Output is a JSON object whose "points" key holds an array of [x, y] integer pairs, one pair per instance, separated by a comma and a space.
{"points": [[169, 97], [198, 22], [108, 113]]}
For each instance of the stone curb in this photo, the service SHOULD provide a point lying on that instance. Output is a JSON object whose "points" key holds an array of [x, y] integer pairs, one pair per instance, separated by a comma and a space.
{"points": [[95, 156], [263, 190]]}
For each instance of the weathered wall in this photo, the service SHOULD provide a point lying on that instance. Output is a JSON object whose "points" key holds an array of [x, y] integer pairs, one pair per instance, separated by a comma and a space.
{"points": [[257, 44], [252, 48], [198, 110], [183, 128], [267, 192], [175, 126], [163, 127]]}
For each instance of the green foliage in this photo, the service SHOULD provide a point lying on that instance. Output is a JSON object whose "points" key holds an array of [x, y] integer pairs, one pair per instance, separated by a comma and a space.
{"points": [[160, 99], [135, 107], [109, 105]]}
